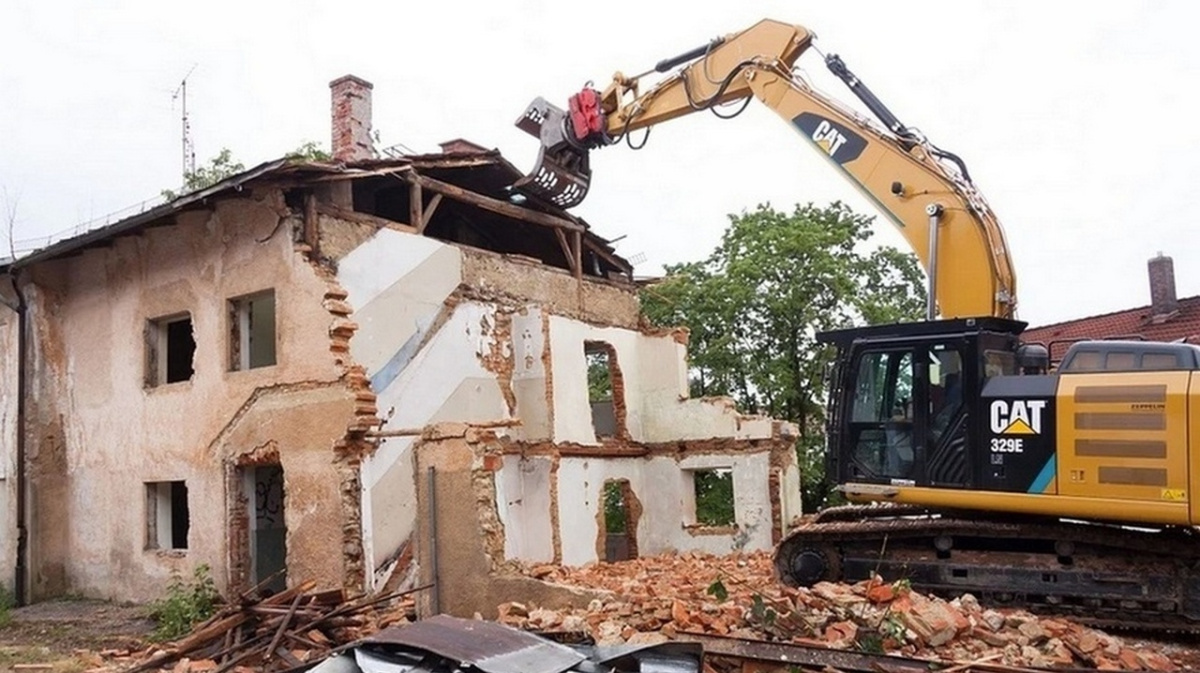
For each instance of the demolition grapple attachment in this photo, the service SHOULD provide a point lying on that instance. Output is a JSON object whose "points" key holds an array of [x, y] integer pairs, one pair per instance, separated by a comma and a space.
{"points": [[561, 175]]}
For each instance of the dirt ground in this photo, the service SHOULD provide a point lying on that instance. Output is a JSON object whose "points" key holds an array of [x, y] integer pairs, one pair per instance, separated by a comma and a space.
{"points": [[69, 635]]}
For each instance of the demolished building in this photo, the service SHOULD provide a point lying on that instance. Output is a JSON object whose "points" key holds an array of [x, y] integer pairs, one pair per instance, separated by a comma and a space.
{"points": [[367, 373]]}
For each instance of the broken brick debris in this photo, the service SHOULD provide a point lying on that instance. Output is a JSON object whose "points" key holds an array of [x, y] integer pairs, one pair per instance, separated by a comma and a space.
{"points": [[664, 596], [289, 630]]}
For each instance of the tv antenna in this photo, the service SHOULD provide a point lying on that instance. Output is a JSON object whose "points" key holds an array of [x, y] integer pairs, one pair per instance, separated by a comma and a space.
{"points": [[189, 148]]}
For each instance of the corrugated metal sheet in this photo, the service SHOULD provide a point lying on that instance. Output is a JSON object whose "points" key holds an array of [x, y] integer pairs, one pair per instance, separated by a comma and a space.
{"points": [[488, 646]]}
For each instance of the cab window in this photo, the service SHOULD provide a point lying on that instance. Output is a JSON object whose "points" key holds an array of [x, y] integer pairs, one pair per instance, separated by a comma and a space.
{"points": [[881, 418]]}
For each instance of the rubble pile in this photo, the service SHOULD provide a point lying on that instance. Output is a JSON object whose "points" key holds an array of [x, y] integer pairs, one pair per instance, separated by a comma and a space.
{"points": [[288, 630], [737, 596]]}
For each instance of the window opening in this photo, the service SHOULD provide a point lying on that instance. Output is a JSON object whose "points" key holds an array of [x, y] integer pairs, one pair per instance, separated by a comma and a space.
{"points": [[252, 331], [170, 347], [167, 517], [600, 358], [714, 497], [620, 524]]}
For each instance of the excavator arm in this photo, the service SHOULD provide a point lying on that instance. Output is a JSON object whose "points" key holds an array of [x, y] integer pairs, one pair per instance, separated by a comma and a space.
{"points": [[926, 192]]}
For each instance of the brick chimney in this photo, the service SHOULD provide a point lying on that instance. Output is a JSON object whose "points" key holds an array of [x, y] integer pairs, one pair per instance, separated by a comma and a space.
{"points": [[351, 112], [1162, 287]]}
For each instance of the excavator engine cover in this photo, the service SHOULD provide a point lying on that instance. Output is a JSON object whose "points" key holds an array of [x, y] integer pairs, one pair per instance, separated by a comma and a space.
{"points": [[561, 175]]}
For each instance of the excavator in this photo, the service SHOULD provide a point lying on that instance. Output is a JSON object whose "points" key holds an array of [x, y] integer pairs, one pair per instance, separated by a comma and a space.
{"points": [[970, 463]]}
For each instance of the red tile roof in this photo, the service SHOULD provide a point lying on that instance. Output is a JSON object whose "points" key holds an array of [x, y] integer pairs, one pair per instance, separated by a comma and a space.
{"points": [[1134, 323]]}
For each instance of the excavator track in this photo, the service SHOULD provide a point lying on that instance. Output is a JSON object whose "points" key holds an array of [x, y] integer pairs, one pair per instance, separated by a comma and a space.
{"points": [[1103, 575]]}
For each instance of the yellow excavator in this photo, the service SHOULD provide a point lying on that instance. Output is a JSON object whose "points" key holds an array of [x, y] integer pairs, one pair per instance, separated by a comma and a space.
{"points": [[1074, 490]]}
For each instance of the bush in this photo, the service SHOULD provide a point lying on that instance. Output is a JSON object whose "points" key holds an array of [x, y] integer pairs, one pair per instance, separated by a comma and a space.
{"points": [[7, 603], [186, 604]]}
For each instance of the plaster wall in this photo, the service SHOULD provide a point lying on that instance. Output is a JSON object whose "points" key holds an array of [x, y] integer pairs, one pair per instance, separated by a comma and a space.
{"points": [[99, 433], [462, 552], [525, 500], [663, 485], [427, 357], [445, 380], [599, 302], [654, 372], [531, 379]]}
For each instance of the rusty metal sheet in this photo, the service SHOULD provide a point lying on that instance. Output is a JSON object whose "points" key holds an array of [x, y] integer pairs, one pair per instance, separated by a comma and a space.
{"points": [[488, 646]]}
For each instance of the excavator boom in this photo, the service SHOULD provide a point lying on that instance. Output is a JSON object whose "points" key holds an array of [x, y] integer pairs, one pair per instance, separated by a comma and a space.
{"points": [[924, 191], [1066, 491]]}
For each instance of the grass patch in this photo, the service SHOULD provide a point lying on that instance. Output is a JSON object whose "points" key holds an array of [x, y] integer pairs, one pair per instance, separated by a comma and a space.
{"points": [[7, 603]]}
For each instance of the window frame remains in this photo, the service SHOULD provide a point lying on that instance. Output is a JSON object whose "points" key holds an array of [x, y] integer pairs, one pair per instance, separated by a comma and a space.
{"points": [[241, 333], [165, 362], [168, 516]]}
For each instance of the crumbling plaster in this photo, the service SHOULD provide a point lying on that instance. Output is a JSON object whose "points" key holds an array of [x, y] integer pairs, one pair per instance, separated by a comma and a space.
{"points": [[654, 373], [661, 482], [452, 334], [99, 433], [444, 381], [468, 539], [523, 281], [525, 488]]}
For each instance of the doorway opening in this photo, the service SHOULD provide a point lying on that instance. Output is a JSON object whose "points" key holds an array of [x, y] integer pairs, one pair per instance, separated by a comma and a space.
{"points": [[262, 488], [621, 513]]}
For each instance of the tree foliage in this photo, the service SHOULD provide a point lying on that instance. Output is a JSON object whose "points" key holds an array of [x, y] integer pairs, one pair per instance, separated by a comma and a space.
{"points": [[217, 169], [714, 497], [755, 305], [615, 520], [310, 150], [599, 376]]}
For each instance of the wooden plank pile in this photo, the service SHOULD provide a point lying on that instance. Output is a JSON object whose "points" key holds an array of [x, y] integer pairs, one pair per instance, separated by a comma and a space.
{"points": [[287, 631]]}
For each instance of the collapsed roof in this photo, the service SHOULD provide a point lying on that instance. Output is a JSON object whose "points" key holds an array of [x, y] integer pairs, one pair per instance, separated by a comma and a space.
{"points": [[460, 197]]}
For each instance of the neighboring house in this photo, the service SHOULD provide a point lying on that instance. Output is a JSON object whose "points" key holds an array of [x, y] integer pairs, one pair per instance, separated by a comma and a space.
{"points": [[1165, 318], [370, 373]]}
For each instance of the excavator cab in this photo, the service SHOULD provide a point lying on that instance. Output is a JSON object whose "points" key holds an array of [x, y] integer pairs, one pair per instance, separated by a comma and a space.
{"points": [[905, 401]]}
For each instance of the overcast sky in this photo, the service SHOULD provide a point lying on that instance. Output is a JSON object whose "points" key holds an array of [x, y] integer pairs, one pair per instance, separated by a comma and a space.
{"points": [[1077, 119]]}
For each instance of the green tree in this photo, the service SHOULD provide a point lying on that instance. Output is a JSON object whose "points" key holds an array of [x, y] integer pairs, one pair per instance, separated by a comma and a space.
{"points": [[217, 169], [599, 375], [309, 151], [755, 305], [614, 508], [714, 497]]}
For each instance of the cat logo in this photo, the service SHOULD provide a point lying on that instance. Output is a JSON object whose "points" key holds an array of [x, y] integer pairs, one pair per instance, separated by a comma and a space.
{"points": [[1017, 417], [843, 144], [828, 138]]}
